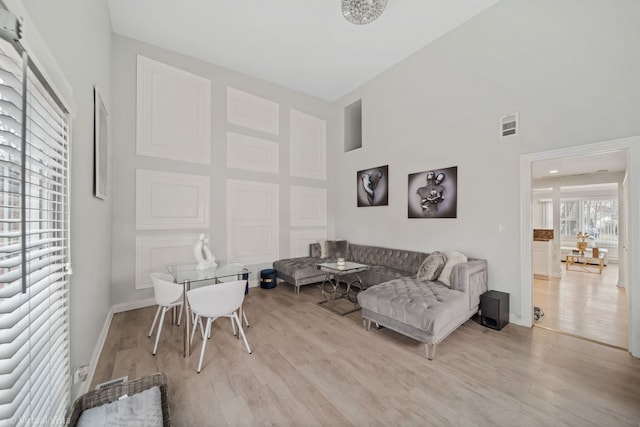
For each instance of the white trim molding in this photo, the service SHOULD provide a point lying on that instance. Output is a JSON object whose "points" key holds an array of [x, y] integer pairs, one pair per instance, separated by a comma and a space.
{"points": [[40, 54], [299, 241], [632, 147], [167, 200], [252, 221], [95, 356], [254, 154], [308, 147], [308, 206], [252, 112], [155, 252], [173, 113]]}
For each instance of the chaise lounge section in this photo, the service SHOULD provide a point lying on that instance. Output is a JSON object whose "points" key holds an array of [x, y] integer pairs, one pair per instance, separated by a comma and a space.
{"points": [[426, 310]]}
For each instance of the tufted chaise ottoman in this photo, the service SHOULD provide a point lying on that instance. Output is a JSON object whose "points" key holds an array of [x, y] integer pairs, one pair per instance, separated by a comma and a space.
{"points": [[427, 311]]}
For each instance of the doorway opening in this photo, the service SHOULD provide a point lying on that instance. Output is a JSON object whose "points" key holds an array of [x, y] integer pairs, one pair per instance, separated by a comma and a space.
{"points": [[580, 301]]}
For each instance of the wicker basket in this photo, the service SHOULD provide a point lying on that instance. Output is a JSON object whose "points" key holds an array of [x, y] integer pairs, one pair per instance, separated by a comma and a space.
{"points": [[111, 394]]}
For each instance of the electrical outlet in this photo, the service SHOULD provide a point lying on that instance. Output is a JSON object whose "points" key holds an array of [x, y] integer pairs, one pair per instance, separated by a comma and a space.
{"points": [[81, 374]]}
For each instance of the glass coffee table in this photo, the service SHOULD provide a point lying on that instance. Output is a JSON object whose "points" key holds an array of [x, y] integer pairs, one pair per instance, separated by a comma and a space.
{"points": [[346, 273]]}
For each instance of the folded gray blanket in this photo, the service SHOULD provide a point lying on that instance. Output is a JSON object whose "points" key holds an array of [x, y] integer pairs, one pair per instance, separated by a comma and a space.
{"points": [[142, 409]]}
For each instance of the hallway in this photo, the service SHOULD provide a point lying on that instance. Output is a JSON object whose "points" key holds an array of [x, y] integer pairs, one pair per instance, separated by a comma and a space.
{"points": [[586, 305]]}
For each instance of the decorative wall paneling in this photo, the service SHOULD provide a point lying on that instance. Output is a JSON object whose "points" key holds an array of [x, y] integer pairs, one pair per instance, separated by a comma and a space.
{"points": [[166, 200], [308, 207], [253, 112], [173, 113], [254, 154], [154, 253], [308, 146], [252, 221], [299, 241]]}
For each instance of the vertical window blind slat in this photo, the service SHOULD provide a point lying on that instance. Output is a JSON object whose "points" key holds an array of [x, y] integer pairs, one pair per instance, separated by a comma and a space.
{"points": [[34, 322]]}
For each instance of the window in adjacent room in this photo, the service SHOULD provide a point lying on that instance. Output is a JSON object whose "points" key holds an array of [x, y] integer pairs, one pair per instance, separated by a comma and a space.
{"points": [[598, 217]]}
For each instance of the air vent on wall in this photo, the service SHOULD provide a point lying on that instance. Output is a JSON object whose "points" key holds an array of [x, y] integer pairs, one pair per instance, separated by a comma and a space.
{"points": [[111, 383], [509, 125]]}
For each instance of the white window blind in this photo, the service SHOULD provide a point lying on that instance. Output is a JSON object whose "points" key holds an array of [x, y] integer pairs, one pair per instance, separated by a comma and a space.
{"points": [[34, 303]]}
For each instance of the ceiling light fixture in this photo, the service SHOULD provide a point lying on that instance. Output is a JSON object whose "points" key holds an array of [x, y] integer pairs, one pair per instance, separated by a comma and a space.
{"points": [[554, 171], [361, 12]]}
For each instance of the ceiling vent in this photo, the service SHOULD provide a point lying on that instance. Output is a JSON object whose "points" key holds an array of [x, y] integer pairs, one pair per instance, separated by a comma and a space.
{"points": [[509, 125]]}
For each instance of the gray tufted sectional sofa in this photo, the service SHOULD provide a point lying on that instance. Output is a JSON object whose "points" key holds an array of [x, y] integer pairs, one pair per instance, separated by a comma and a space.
{"points": [[427, 311], [384, 264]]}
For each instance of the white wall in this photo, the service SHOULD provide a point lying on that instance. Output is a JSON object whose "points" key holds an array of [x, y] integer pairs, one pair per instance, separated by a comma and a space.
{"points": [[125, 51], [78, 34], [569, 68]]}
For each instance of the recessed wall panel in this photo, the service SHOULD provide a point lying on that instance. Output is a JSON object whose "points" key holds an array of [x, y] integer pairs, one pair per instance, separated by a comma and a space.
{"points": [[173, 113], [166, 200], [252, 221], [299, 241], [308, 147], [254, 154], [308, 207], [253, 112], [154, 253]]}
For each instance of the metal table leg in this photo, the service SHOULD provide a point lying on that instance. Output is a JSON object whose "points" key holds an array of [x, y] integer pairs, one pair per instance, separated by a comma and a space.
{"points": [[186, 351]]}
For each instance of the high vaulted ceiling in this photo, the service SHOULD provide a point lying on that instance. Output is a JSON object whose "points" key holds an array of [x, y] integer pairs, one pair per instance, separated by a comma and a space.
{"points": [[305, 45]]}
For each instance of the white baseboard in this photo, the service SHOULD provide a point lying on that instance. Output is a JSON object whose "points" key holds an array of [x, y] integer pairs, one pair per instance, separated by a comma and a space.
{"points": [[133, 305], [97, 351], [95, 356]]}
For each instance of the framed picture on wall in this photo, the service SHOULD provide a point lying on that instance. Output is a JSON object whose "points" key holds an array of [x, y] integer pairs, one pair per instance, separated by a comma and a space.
{"points": [[434, 193], [373, 186], [100, 146]]}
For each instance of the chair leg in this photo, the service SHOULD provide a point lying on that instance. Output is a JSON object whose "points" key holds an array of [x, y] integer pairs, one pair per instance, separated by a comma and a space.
{"points": [[195, 326], [204, 344], [180, 315], [155, 347], [233, 327], [244, 315], [237, 320], [155, 318], [202, 329]]}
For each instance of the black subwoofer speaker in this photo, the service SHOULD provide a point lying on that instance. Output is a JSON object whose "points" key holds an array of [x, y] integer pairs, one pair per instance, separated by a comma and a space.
{"points": [[494, 309]]}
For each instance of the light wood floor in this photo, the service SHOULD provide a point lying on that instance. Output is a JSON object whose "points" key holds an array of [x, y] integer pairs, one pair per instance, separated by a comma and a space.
{"points": [[310, 367], [586, 305]]}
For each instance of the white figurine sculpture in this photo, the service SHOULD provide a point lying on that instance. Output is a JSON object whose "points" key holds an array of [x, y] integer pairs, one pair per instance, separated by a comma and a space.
{"points": [[202, 253]]}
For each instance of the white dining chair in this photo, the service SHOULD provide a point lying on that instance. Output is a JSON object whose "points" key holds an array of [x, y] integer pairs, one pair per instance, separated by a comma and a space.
{"points": [[167, 295], [245, 276], [213, 301]]}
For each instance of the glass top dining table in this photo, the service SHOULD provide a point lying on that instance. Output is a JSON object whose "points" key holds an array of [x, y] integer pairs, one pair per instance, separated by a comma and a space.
{"points": [[182, 273], [187, 274]]}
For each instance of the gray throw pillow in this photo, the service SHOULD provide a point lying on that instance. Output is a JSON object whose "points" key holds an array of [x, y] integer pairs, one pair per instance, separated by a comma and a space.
{"points": [[431, 267], [337, 248]]}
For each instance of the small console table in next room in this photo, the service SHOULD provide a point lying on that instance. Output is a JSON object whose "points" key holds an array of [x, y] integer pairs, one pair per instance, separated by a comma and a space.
{"points": [[585, 263]]}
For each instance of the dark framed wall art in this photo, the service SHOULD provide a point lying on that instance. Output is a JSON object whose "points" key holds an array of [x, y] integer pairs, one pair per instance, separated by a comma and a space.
{"points": [[101, 147], [373, 186], [433, 194]]}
